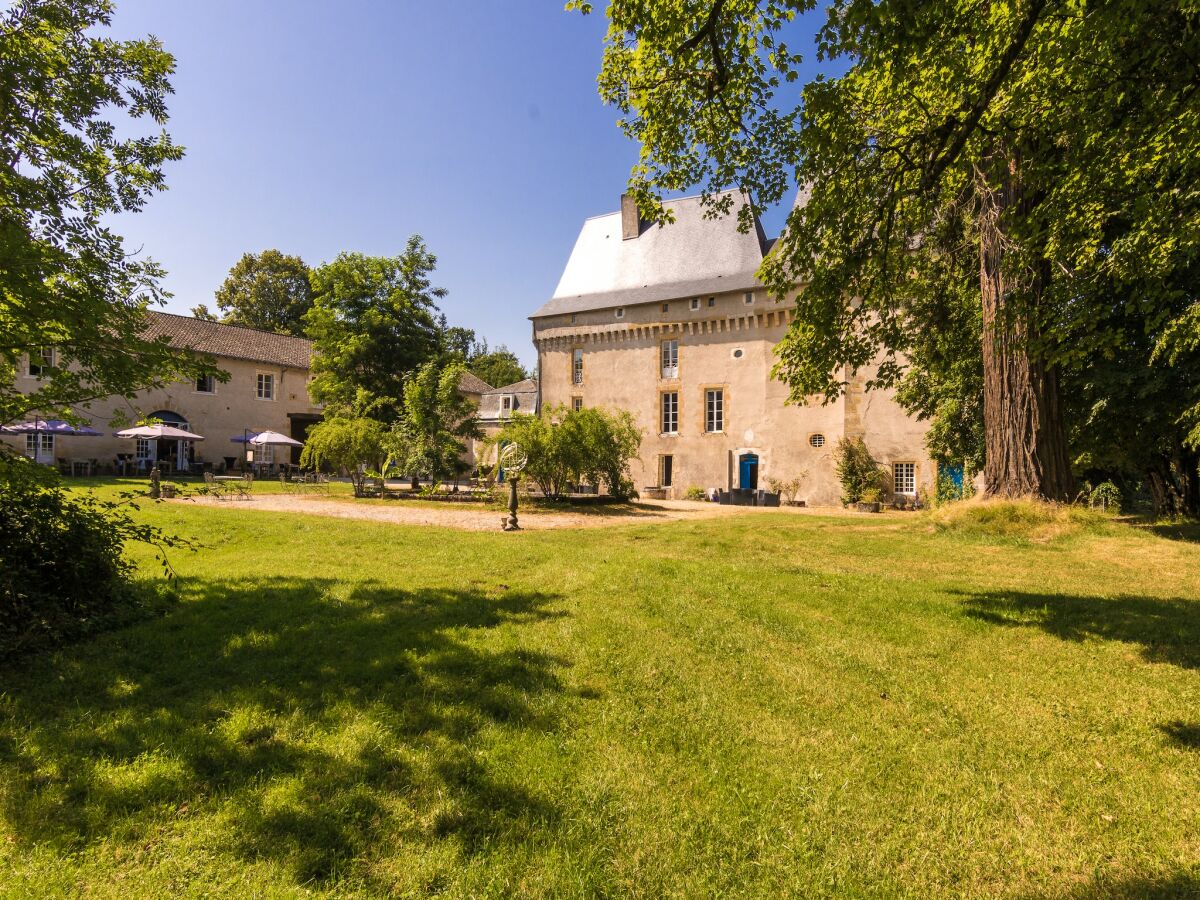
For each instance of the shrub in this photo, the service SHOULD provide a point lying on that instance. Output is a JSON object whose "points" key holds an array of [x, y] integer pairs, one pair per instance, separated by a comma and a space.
{"points": [[571, 446], [1105, 496], [695, 493], [354, 445], [946, 491], [871, 495], [857, 470], [63, 572], [787, 489]]}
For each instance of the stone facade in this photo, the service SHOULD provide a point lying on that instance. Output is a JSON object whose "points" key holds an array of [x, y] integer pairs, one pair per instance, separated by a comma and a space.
{"points": [[226, 411], [726, 422]]}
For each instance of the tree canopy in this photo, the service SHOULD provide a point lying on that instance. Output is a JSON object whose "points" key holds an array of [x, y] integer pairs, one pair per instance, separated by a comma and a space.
{"points": [[1015, 163], [268, 290], [70, 159], [436, 421], [499, 367], [373, 321]]}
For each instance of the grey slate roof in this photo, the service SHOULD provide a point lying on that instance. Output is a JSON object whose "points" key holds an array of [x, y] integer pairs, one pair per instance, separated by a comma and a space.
{"points": [[690, 257], [526, 396], [231, 341], [470, 383]]}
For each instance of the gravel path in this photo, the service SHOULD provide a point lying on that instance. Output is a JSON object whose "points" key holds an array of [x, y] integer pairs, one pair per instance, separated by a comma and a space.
{"points": [[473, 518]]}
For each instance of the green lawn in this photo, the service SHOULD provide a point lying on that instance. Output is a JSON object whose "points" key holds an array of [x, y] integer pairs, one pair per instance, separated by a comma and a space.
{"points": [[765, 705]]}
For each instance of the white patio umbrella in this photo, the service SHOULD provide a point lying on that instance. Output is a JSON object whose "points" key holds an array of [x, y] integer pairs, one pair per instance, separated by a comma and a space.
{"points": [[154, 432], [274, 439]]}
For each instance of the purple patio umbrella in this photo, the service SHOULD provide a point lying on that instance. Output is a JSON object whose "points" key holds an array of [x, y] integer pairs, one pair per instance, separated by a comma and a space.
{"points": [[52, 426]]}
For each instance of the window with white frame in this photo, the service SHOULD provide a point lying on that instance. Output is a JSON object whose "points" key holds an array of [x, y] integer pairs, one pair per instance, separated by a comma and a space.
{"points": [[39, 445], [904, 477], [714, 410], [41, 362], [670, 359], [576, 403], [206, 384], [748, 298], [619, 312], [577, 366], [143, 448], [266, 386], [816, 440], [670, 412], [712, 301], [695, 303]]}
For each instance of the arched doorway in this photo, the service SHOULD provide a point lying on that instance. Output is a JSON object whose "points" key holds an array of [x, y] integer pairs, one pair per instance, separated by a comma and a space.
{"points": [[748, 471], [177, 453]]}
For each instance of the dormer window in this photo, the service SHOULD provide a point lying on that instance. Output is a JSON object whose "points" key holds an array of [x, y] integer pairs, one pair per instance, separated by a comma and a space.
{"points": [[695, 303], [748, 298], [620, 312]]}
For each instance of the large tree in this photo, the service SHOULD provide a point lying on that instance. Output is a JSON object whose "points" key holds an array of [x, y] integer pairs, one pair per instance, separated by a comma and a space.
{"points": [[1049, 145], [374, 320], [268, 290], [70, 159], [430, 437], [499, 367]]}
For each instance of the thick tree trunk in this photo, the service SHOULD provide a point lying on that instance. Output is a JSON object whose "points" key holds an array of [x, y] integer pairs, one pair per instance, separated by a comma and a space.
{"points": [[1024, 437]]}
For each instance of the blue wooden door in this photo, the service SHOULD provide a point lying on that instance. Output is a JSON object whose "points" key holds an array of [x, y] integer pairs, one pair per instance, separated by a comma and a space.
{"points": [[748, 471]]}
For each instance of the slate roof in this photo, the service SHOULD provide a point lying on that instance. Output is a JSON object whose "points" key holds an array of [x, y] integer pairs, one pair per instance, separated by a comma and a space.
{"points": [[690, 257], [230, 341], [470, 383], [526, 395]]}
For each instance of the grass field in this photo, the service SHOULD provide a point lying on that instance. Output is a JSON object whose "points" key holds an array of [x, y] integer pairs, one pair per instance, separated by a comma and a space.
{"points": [[766, 705]]}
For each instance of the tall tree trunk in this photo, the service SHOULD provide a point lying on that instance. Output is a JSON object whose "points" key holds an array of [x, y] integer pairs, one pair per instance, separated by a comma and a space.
{"points": [[1024, 437]]}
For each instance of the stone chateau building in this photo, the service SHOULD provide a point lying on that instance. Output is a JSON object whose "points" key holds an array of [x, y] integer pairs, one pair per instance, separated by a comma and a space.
{"points": [[672, 324]]}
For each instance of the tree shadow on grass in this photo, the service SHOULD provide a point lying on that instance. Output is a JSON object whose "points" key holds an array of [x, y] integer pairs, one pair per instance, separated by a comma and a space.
{"points": [[315, 721], [1175, 531], [1184, 734], [1141, 887], [1167, 630]]}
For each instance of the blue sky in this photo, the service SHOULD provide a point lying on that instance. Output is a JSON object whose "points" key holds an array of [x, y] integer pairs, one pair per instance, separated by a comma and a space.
{"points": [[320, 127]]}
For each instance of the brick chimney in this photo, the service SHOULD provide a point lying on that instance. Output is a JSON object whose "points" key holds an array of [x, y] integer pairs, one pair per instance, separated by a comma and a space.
{"points": [[631, 225]]}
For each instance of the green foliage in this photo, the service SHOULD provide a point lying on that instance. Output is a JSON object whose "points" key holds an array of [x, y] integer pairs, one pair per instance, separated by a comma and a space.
{"points": [[66, 280], [373, 321], [1031, 128], [787, 488], [269, 291], [1105, 496], [499, 367], [352, 444], [436, 421], [694, 493], [858, 471], [946, 491], [573, 446], [63, 571]]}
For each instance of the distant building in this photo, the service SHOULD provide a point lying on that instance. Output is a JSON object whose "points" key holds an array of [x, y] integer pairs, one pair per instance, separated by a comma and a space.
{"points": [[672, 324], [267, 389]]}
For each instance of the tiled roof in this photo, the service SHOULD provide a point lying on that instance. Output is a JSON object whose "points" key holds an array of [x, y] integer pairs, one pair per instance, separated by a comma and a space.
{"points": [[470, 383], [230, 341], [691, 256], [525, 393]]}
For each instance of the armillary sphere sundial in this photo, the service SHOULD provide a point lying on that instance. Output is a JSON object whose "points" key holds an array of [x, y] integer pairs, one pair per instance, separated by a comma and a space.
{"points": [[513, 460]]}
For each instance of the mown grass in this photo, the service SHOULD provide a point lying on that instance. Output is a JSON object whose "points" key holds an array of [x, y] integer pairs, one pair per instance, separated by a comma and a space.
{"points": [[762, 705]]}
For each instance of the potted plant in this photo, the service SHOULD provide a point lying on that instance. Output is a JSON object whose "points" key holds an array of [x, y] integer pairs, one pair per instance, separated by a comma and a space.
{"points": [[870, 500]]}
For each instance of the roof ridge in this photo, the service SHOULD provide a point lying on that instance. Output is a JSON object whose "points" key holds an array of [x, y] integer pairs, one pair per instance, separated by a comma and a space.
{"points": [[163, 312]]}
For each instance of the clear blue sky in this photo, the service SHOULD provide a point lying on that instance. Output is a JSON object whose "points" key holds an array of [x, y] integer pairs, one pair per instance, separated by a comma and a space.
{"points": [[316, 127]]}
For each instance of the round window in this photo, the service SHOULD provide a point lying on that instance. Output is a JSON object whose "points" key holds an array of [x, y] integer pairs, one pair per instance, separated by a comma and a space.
{"points": [[737, 354], [817, 440]]}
